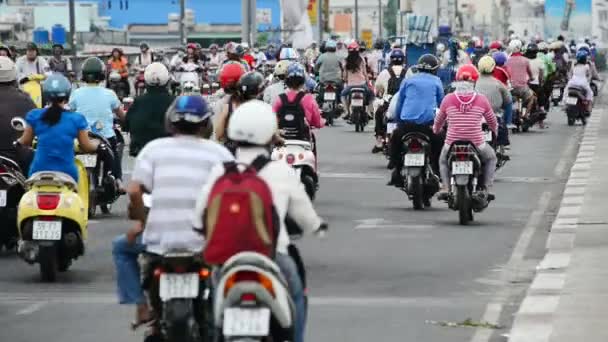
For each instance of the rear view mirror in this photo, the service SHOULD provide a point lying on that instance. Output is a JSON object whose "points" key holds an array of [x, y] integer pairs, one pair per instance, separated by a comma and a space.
{"points": [[18, 124]]}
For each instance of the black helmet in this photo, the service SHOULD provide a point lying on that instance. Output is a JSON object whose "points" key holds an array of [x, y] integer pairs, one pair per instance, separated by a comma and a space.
{"points": [[379, 44], [57, 45], [250, 85], [144, 45], [93, 70], [531, 50], [362, 46], [428, 63], [31, 46]]}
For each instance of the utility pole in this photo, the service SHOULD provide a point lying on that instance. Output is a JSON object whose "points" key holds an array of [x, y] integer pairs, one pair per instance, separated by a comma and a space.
{"points": [[183, 37], [357, 20], [249, 23], [320, 19], [379, 19], [72, 42]]}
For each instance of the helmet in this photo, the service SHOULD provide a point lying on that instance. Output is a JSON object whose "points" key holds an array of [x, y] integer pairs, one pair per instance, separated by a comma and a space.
{"points": [[531, 50], [581, 56], [440, 47], [467, 72], [93, 70], [31, 46], [288, 53], [379, 44], [239, 50], [331, 44], [354, 46], [253, 122], [515, 45], [8, 71], [57, 45], [144, 45], [191, 46], [543, 46], [251, 84], [245, 45], [230, 48], [556, 45], [486, 64], [296, 70], [362, 45], [213, 46], [230, 75], [428, 63], [281, 68], [496, 45], [398, 56], [583, 46], [156, 74], [500, 58], [189, 108], [56, 86]]}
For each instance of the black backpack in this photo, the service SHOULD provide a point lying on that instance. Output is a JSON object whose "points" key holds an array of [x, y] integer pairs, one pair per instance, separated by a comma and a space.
{"points": [[292, 119], [394, 83]]}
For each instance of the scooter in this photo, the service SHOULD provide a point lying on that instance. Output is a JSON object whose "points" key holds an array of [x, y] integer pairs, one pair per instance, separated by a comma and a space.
{"points": [[299, 155], [33, 87], [140, 82], [12, 188], [420, 183], [358, 111], [115, 83], [52, 219], [576, 105], [330, 101], [190, 79]]}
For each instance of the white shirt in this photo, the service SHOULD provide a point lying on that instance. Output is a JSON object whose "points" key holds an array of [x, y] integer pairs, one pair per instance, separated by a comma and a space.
{"points": [[385, 76], [26, 68], [538, 67], [272, 93], [288, 195]]}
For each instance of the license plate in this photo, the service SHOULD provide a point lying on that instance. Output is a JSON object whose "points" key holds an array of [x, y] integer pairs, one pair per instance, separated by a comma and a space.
{"points": [[2, 198], [46, 230], [88, 160], [414, 159], [557, 93], [391, 127], [246, 322], [462, 168], [488, 136], [182, 285], [329, 96], [356, 102], [572, 100]]}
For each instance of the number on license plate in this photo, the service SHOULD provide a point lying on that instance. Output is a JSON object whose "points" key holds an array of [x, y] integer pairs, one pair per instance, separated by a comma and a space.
{"points": [[46, 230], [462, 168], [329, 96], [182, 285], [2, 198], [88, 160], [414, 159], [488, 136], [246, 322], [557, 93], [357, 102], [391, 127], [571, 100]]}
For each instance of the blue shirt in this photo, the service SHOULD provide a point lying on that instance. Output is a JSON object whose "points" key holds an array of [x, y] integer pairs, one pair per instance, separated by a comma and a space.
{"points": [[97, 104], [55, 150], [419, 97]]}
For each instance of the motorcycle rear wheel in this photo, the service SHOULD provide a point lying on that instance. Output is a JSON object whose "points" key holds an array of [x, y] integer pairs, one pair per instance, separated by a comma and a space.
{"points": [[417, 187], [465, 211], [47, 259]]}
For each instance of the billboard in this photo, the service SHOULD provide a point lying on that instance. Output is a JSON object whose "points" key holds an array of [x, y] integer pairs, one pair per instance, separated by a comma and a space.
{"points": [[572, 18]]}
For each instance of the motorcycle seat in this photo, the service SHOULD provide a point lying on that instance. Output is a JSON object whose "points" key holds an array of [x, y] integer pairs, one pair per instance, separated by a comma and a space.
{"points": [[252, 259], [10, 162], [301, 143], [416, 135], [52, 178]]}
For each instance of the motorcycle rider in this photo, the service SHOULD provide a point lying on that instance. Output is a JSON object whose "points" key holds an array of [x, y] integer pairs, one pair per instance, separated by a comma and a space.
{"points": [[290, 54], [118, 62], [252, 127], [500, 72], [234, 55], [580, 76], [549, 70], [59, 63], [145, 120], [355, 75], [497, 94], [521, 73], [31, 64], [247, 56], [98, 105], [229, 77], [329, 67], [13, 103], [271, 93], [388, 83], [341, 50], [463, 111], [56, 128], [537, 81], [215, 58], [179, 164], [496, 46], [192, 55], [417, 100], [311, 53], [376, 56], [6, 52], [145, 56]]}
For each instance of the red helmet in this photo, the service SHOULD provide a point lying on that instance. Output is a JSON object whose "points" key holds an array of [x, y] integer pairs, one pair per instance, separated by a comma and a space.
{"points": [[467, 72], [496, 45], [354, 46], [191, 46], [230, 74]]}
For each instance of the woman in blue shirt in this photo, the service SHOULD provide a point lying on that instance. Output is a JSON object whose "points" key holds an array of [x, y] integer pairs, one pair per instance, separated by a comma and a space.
{"points": [[56, 130]]}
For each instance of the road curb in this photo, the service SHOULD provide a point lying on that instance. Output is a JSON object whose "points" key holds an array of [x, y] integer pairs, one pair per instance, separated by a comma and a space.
{"points": [[534, 320]]}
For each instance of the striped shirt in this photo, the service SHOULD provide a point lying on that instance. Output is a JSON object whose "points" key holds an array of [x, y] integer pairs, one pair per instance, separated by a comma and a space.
{"points": [[519, 69], [174, 170], [464, 114]]}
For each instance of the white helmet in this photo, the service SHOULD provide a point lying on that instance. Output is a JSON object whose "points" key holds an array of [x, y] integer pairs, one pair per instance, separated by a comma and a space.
{"points": [[156, 74], [583, 46], [281, 68], [252, 122], [515, 45], [543, 46], [245, 45], [8, 71]]}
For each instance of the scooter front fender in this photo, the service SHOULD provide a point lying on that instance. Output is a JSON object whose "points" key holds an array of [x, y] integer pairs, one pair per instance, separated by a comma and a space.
{"points": [[461, 179]]}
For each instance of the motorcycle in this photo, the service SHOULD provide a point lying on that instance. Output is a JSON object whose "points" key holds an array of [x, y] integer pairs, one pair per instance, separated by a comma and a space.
{"points": [[330, 101], [420, 183], [501, 154], [190, 79], [521, 119], [358, 111], [52, 220], [12, 188], [466, 167], [299, 155], [32, 85], [576, 105], [180, 290], [557, 92], [140, 82], [252, 302], [117, 85]]}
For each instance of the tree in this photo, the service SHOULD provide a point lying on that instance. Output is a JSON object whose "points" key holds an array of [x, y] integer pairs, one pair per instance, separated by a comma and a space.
{"points": [[390, 17]]}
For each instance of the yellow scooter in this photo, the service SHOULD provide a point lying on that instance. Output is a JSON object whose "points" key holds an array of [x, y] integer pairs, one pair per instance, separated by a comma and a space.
{"points": [[52, 218], [32, 85]]}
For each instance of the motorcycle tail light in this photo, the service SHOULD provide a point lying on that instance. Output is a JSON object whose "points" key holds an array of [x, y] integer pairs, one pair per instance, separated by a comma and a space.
{"points": [[158, 271], [414, 146], [290, 159], [179, 269], [47, 201], [301, 156], [248, 297], [3, 169], [357, 96], [251, 276], [329, 88], [204, 273]]}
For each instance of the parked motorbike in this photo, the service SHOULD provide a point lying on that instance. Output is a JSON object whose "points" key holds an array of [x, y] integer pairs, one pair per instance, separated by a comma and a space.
{"points": [[576, 105], [299, 155], [252, 302], [466, 170], [358, 113], [12, 188], [330, 101]]}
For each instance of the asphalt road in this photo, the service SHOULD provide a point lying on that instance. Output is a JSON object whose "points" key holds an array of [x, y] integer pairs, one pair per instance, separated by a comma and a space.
{"points": [[384, 273]]}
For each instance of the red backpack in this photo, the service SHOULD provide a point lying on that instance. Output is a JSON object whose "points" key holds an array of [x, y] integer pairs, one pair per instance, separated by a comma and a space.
{"points": [[240, 215]]}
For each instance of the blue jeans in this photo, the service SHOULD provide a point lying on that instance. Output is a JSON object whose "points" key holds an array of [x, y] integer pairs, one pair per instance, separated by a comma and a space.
{"points": [[128, 280], [508, 113], [290, 272]]}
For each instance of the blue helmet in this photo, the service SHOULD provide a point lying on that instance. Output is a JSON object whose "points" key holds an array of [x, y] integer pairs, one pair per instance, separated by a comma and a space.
{"points": [[397, 55], [56, 86], [296, 70], [331, 44], [500, 58], [581, 56], [189, 108]]}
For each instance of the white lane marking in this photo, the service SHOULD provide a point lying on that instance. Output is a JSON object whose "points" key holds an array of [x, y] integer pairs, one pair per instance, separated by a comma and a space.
{"points": [[396, 226], [554, 261], [573, 200], [561, 240], [569, 211], [539, 305], [561, 167], [549, 281], [30, 309], [352, 175], [570, 190]]}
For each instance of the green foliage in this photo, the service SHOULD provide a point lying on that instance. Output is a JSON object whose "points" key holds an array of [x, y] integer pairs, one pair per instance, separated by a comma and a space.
{"points": [[263, 38], [390, 17]]}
